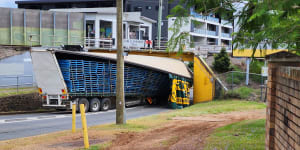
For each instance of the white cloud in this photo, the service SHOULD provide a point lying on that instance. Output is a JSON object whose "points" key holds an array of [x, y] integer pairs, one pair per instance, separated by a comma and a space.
{"points": [[8, 3]]}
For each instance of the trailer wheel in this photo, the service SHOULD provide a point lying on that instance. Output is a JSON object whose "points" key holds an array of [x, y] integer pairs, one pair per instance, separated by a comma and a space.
{"points": [[94, 105], [85, 102], [105, 104]]}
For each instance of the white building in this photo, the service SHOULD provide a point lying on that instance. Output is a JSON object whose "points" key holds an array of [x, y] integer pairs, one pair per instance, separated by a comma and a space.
{"points": [[101, 28], [207, 34]]}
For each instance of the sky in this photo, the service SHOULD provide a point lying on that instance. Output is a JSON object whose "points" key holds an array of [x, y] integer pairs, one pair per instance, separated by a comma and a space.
{"points": [[8, 3]]}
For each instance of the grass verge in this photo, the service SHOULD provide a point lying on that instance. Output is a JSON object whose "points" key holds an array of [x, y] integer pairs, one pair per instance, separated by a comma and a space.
{"points": [[99, 146], [242, 92], [14, 91], [246, 135]]}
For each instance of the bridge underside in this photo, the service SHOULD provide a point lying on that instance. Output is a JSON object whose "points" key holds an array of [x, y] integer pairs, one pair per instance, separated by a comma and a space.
{"points": [[185, 56]]}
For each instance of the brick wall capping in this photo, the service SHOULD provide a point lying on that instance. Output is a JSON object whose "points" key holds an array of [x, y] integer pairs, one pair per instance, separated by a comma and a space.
{"points": [[283, 57]]}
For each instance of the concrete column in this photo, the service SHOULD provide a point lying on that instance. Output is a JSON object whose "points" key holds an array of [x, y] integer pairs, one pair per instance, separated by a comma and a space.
{"points": [[220, 35], [114, 32], [150, 32], [128, 30], [139, 32], [97, 31]]}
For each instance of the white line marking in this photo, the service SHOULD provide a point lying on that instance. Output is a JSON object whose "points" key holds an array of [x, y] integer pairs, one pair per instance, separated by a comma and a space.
{"points": [[39, 118]]}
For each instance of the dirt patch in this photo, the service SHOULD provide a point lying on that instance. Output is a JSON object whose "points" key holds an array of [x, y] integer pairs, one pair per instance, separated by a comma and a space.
{"points": [[183, 133], [180, 133]]}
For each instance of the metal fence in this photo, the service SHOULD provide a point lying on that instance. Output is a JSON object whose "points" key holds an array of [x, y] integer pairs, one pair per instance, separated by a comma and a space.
{"points": [[234, 80], [17, 83]]}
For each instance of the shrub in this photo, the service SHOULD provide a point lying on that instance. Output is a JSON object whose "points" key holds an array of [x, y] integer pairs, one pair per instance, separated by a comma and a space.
{"points": [[221, 62], [240, 93], [237, 77], [191, 65], [255, 67]]}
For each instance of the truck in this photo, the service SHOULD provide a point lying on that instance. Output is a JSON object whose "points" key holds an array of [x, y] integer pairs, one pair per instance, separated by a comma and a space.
{"points": [[69, 77]]}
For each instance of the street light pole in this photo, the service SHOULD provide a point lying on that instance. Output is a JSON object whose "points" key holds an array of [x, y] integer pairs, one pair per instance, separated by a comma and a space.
{"points": [[120, 96]]}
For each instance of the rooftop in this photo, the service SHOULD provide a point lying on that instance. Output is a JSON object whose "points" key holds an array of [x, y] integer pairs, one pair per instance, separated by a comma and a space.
{"points": [[128, 16]]}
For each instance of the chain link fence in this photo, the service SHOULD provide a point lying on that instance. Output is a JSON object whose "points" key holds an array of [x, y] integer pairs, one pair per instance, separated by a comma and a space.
{"points": [[236, 82], [18, 84]]}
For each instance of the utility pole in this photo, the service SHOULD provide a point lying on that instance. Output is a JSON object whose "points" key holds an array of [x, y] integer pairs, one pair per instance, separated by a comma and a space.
{"points": [[120, 98], [159, 22]]}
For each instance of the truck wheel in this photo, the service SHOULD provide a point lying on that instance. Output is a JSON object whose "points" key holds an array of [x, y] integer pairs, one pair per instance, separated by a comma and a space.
{"points": [[85, 102], [105, 104], [94, 105]]}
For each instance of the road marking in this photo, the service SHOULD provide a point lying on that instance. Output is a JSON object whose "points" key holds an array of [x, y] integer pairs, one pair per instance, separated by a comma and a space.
{"points": [[18, 120], [14, 120]]}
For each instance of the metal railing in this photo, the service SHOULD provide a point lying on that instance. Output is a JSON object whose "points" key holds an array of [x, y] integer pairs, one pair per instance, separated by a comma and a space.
{"points": [[203, 50], [236, 79], [199, 31], [226, 35], [196, 15], [212, 33], [212, 19], [163, 45], [16, 82], [135, 44], [209, 18], [101, 43], [226, 22]]}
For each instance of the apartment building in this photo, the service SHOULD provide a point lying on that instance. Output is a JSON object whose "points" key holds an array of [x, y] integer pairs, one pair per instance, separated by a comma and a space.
{"points": [[206, 33]]}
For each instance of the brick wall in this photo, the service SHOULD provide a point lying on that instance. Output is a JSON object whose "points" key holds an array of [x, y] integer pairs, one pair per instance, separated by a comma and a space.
{"points": [[283, 107], [26, 102]]}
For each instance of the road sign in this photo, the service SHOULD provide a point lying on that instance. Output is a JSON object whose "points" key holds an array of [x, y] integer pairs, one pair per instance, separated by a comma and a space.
{"points": [[264, 71]]}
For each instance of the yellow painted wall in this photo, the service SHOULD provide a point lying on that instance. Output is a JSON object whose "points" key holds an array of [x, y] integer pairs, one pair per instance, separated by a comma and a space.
{"points": [[258, 53], [203, 82]]}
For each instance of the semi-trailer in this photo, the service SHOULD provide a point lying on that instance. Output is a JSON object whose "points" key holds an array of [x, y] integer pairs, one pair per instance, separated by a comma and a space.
{"points": [[67, 77]]}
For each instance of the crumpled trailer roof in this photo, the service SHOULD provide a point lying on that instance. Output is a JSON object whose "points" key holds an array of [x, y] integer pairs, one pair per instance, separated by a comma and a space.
{"points": [[166, 65]]}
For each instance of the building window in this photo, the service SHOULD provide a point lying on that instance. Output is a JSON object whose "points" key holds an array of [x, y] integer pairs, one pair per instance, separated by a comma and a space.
{"points": [[138, 8], [148, 7], [128, 8]]}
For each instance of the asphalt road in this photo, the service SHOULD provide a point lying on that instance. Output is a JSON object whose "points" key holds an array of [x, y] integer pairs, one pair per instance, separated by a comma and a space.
{"points": [[25, 125]]}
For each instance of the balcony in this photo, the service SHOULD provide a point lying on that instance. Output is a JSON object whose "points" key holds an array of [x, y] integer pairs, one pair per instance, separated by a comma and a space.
{"points": [[226, 22], [199, 31], [212, 33], [209, 18], [205, 49], [213, 19], [196, 15], [226, 35]]}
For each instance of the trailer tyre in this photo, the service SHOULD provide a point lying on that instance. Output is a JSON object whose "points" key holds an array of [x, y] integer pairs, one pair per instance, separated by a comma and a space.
{"points": [[94, 105], [105, 104], [85, 102]]}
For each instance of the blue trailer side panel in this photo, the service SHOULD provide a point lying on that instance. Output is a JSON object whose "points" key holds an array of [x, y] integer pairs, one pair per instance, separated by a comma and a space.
{"points": [[99, 78]]}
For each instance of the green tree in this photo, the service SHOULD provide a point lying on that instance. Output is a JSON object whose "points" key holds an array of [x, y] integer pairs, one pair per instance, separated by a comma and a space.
{"points": [[263, 23], [221, 62]]}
